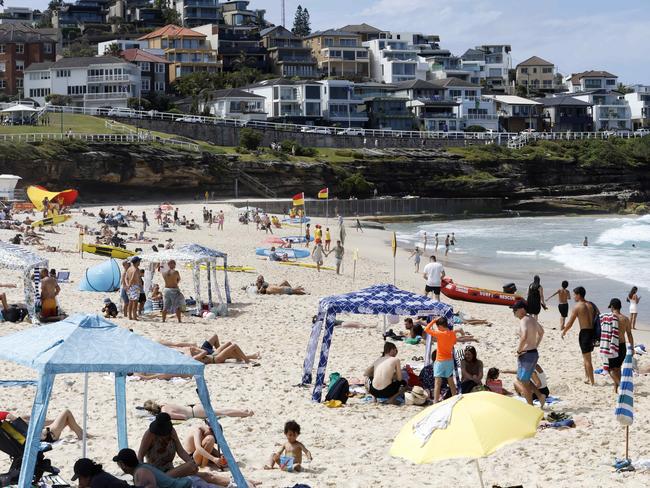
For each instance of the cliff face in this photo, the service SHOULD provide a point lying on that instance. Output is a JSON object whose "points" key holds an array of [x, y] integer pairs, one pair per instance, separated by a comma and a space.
{"points": [[101, 170]]}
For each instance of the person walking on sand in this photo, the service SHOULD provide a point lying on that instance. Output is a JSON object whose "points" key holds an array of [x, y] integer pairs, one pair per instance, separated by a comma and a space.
{"points": [[317, 255], [447, 245], [123, 288], [437, 243], [434, 272], [328, 239], [417, 254], [220, 218], [173, 299], [535, 301], [452, 240], [563, 299], [584, 312], [145, 221], [530, 336], [307, 235], [624, 333], [359, 228], [424, 247], [338, 251], [585, 242], [633, 298], [133, 287]]}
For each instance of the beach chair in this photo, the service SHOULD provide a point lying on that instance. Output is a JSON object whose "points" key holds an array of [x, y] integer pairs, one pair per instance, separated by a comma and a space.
{"points": [[12, 443], [63, 276]]}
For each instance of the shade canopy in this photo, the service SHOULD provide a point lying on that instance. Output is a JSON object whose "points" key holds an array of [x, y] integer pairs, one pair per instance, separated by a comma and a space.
{"points": [[22, 259], [375, 300], [19, 108], [91, 344]]}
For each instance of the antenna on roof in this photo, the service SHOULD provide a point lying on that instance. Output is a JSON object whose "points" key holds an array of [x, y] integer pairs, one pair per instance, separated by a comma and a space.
{"points": [[283, 14]]}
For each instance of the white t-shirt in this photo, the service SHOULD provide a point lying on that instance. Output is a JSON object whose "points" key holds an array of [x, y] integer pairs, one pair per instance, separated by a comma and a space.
{"points": [[434, 273]]}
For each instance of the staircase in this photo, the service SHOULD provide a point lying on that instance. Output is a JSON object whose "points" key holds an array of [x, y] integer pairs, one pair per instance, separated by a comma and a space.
{"points": [[520, 141], [252, 183]]}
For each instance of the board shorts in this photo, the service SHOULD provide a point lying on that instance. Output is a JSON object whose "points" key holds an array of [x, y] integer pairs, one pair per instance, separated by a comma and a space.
{"points": [[443, 369], [564, 309], [124, 295], [388, 392], [617, 362], [526, 363], [586, 340], [434, 289], [49, 308], [134, 292], [173, 300]]}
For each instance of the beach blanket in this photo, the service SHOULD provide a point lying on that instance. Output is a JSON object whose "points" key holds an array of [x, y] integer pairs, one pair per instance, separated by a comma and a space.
{"points": [[438, 419], [173, 300]]}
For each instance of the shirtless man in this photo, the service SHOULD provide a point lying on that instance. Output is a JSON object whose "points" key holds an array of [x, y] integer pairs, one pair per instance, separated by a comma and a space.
{"points": [[123, 287], [49, 290], [385, 375], [563, 299], [584, 312], [530, 336], [173, 299], [133, 287], [624, 331]]}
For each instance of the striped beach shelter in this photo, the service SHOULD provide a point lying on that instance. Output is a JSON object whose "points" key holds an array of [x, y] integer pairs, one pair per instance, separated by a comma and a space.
{"points": [[625, 405]]}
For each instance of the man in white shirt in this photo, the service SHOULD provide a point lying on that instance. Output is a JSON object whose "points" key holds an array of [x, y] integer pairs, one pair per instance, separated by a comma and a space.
{"points": [[434, 272]]}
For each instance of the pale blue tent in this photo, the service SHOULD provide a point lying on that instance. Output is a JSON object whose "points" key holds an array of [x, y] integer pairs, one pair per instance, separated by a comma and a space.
{"points": [[91, 344]]}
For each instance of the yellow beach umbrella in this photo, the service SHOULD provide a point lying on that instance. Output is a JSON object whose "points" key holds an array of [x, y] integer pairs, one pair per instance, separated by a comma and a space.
{"points": [[479, 424]]}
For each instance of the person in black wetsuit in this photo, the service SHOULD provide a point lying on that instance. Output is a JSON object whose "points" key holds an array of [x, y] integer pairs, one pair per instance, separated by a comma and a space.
{"points": [[535, 297]]}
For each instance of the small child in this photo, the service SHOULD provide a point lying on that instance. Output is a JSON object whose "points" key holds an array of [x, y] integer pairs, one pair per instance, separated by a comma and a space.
{"points": [[494, 383], [292, 449], [110, 309]]}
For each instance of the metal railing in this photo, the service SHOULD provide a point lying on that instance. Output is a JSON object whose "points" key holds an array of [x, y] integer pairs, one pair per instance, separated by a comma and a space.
{"points": [[107, 96], [93, 79], [498, 137]]}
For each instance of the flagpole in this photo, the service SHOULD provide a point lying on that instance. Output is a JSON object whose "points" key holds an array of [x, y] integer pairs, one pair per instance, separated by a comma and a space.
{"points": [[327, 211]]}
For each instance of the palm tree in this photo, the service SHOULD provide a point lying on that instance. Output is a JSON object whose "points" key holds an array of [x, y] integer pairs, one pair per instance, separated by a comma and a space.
{"points": [[113, 50]]}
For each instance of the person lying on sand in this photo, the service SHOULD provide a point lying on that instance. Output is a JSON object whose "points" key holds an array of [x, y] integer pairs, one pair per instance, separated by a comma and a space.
{"points": [[284, 288], [185, 412], [53, 428], [212, 352]]}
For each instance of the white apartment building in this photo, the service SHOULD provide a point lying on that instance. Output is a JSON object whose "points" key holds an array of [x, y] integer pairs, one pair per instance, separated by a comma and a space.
{"points": [[489, 65], [341, 106], [610, 109], [91, 82], [288, 100], [395, 61], [18, 15], [233, 103], [639, 101], [591, 80], [124, 44]]}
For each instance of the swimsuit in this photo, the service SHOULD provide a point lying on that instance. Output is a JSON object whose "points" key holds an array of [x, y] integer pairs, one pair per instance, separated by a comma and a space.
{"points": [[443, 369], [173, 300], [48, 307], [526, 363], [586, 340], [133, 292], [617, 362], [564, 309]]}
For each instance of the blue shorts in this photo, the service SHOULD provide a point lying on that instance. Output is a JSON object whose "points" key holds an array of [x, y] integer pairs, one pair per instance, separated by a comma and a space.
{"points": [[124, 295], [443, 369], [526, 363]]}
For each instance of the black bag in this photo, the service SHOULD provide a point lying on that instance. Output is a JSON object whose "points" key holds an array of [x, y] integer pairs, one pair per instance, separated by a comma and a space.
{"points": [[15, 314], [596, 324], [339, 391]]}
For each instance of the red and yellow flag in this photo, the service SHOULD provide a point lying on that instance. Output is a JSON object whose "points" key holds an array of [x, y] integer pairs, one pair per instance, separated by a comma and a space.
{"points": [[298, 199], [324, 193]]}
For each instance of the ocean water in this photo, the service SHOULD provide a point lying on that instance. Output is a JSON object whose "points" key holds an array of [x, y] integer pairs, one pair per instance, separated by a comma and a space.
{"points": [[515, 249]]}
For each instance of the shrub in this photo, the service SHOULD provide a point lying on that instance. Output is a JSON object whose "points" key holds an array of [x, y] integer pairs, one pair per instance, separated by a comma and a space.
{"points": [[60, 100], [289, 146], [356, 185], [250, 139], [475, 128]]}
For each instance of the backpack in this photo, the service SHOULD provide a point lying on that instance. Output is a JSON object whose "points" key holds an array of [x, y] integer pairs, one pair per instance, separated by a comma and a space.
{"points": [[596, 324], [339, 391], [15, 314]]}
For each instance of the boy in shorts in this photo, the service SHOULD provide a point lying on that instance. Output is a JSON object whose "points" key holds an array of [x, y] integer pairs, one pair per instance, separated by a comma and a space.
{"points": [[443, 368], [292, 449]]}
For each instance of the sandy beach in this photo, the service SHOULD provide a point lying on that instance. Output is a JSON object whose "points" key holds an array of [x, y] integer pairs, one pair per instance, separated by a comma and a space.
{"points": [[350, 444]]}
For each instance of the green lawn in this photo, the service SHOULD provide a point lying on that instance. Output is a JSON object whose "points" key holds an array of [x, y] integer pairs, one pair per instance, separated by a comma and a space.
{"points": [[78, 123]]}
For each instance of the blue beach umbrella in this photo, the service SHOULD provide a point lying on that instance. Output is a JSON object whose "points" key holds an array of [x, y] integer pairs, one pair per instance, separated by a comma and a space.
{"points": [[625, 405]]}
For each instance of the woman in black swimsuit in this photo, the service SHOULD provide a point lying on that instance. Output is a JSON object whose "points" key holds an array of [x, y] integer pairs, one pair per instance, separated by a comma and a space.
{"points": [[535, 297]]}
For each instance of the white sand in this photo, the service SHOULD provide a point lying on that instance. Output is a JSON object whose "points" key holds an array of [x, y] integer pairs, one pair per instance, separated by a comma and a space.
{"points": [[350, 445]]}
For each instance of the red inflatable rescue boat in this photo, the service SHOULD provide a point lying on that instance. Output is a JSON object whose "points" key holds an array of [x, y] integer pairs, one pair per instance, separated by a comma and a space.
{"points": [[477, 295]]}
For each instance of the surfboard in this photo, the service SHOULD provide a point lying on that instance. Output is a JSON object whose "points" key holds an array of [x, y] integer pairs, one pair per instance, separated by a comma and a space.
{"points": [[292, 252], [298, 239], [306, 265], [296, 220], [57, 219], [107, 251], [232, 269]]}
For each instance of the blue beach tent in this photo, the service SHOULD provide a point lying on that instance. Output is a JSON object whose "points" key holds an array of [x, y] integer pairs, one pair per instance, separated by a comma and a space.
{"points": [[91, 344], [374, 300]]}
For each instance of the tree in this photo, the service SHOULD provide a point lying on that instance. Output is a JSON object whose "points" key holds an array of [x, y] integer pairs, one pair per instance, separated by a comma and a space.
{"points": [[250, 139], [301, 23], [113, 49], [79, 49]]}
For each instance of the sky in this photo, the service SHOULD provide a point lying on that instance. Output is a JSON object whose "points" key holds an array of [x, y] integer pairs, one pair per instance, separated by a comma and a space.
{"points": [[576, 35]]}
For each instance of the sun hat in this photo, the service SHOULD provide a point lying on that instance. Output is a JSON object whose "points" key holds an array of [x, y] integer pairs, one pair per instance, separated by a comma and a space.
{"points": [[107, 300], [162, 425], [417, 396]]}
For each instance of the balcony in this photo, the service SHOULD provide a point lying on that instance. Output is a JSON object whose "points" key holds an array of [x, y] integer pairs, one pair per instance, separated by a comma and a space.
{"points": [[297, 60], [344, 115], [438, 115], [480, 117], [107, 96], [108, 78]]}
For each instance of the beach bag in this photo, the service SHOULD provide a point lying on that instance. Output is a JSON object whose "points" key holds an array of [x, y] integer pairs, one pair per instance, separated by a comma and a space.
{"points": [[339, 391], [596, 324], [15, 314]]}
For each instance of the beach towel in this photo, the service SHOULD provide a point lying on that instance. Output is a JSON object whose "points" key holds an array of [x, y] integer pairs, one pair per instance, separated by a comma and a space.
{"points": [[438, 419], [173, 300], [608, 338]]}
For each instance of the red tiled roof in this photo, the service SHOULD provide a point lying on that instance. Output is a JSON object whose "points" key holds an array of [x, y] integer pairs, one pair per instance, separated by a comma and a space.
{"points": [[576, 77], [136, 54], [171, 30]]}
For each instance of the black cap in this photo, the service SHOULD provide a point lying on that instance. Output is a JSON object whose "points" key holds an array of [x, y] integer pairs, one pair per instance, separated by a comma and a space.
{"points": [[84, 467], [162, 425], [519, 304], [615, 303], [128, 457]]}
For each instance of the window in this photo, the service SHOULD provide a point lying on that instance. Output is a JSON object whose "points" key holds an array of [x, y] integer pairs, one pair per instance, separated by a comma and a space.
{"points": [[534, 70], [20, 65], [524, 71], [20, 48], [348, 56], [144, 66], [470, 93], [160, 68], [312, 92], [19, 82], [39, 92], [63, 73], [160, 86], [362, 54], [312, 109], [2, 48], [455, 93], [548, 83], [47, 48], [76, 90], [3, 67], [610, 82], [547, 70], [3, 84], [145, 84]]}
